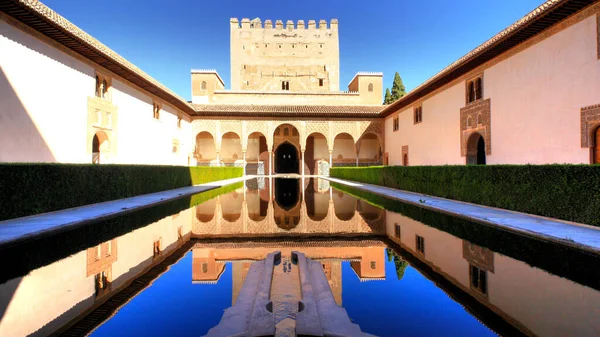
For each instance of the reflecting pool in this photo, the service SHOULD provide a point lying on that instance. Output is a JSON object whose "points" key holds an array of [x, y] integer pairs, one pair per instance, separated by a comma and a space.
{"points": [[398, 270]]}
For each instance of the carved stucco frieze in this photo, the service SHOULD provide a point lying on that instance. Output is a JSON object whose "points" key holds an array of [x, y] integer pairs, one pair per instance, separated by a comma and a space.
{"points": [[590, 120], [476, 118]]}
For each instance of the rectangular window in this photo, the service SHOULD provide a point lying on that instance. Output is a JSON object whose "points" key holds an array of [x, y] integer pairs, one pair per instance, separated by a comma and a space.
{"points": [[478, 279], [179, 122], [397, 230], [418, 114], [156, 248], [320, 82], [420, 243], [474, 89], [156, 111], [396, 124], [109, 248], [285, 85]]}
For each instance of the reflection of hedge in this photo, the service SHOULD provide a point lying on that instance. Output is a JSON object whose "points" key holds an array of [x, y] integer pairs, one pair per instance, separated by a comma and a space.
{"points": [[570, 192], [28, 189], [564, 261], [39, 252]]}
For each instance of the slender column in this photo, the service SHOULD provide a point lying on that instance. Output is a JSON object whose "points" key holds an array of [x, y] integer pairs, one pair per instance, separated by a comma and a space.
{"points": [[244, 152], [270, 162], [302, 164], [357, 160], [218, 159], [330, 159]]}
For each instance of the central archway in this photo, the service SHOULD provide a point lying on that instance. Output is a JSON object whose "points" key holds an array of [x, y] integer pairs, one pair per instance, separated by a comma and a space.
{"points": [[286, 159]]}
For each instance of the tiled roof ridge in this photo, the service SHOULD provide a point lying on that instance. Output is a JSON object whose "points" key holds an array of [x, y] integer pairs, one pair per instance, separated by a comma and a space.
{"points": [[58, 20], [287, 92]]}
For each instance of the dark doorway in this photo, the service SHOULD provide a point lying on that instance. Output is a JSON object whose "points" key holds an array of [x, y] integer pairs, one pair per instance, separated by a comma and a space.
{"points": [[287, 192], [476, 150], [286, 159], [596, 148], [96, 150]]}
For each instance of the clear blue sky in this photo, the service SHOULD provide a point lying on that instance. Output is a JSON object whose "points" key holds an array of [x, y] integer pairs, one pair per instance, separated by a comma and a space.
{"points": [[167, 39]]}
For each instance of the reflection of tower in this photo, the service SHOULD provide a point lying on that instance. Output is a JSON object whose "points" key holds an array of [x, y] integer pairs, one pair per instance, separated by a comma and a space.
{"points": [[333, 273], [239, 271], [371, 265], [205, 269]]}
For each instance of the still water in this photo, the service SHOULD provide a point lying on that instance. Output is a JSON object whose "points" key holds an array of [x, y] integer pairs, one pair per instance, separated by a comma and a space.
{"points": [[174, 269]]}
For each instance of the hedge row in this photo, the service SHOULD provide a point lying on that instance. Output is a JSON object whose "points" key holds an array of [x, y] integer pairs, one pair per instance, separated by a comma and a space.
{"points": [[28, 189], [569, 192]]}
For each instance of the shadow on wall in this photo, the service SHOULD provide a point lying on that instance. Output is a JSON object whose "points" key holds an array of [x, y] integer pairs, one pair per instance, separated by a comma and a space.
{"points": [[20, 139]]}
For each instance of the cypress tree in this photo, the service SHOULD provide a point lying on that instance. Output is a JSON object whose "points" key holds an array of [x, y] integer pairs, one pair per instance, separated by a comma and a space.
{"points": [[388, 96], [398, 89]]}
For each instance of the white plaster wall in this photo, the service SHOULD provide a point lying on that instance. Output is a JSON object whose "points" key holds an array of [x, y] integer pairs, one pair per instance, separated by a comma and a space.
{"points": [[536, 96], [321, 149], [142, 139], [434, 141], [44, 101], [368, 148]]}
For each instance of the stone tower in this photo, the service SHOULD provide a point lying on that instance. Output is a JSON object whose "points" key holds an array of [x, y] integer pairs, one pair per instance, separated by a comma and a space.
{"points": [[284, 57]]}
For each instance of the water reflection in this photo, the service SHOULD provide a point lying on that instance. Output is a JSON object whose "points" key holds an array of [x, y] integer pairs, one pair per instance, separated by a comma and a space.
{"points": [[196, 257], [287, 207]]}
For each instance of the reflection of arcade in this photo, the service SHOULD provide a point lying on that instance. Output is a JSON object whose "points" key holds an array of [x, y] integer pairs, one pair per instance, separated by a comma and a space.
{"points": [[367, 260], [287, 205], [259, 208]]}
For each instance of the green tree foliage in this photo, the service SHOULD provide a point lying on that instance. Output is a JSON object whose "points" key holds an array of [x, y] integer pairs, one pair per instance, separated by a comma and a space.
{"points": [[398, 89], [388, 96], [400, 266]]}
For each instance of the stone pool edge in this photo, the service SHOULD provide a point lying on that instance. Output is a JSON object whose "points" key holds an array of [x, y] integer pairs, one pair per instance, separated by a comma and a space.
{"points": [[579, 236], [19, 230]]}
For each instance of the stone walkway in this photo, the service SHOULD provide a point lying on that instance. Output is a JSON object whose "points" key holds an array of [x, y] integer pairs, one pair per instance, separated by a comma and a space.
{"points": [[15, 231], [558, 231]]}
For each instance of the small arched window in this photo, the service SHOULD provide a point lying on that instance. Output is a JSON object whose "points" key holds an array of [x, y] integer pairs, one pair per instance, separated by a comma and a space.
{"points": [[97, 86], [104, 89], [370, 87], [203, 85], [471, 92], [277, 132], [479, 119], [286, 132], [469, 122]]}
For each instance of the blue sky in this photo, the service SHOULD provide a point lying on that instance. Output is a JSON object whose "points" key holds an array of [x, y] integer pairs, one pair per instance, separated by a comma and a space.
{"points": [[167, 39]]}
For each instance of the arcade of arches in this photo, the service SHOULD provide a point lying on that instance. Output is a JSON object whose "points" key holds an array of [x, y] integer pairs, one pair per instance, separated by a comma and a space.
{"points": [[293, 147]]}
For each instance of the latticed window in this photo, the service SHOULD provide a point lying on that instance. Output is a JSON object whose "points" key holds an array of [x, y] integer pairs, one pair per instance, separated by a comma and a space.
{"points": [[370, 87], [285, 85], [474, 90], [397, 230], [478, 279], [420, 244], [418, 114], [396, 124]]}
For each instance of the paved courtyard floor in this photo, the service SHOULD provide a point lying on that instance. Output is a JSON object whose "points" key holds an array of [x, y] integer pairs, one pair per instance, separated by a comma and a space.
{"points": [[564, 232]]}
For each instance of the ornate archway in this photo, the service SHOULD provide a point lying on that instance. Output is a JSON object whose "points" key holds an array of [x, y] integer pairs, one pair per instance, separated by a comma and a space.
{"points": [[476, 150], [287, 159]]}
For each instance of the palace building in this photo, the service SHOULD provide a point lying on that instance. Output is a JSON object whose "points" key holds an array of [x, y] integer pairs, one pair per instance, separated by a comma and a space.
{"points": [[530, 94]]}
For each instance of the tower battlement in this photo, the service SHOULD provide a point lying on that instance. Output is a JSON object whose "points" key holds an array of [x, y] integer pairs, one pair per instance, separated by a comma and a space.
{"points": [[256, 24]]}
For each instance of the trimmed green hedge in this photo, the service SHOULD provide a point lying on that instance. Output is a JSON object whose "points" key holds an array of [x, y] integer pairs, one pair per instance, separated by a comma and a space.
{"points": [[569, 192], [28, 189]]}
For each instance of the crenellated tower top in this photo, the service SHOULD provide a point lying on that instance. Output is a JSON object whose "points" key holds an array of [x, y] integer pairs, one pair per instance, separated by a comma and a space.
{"points": [[247, 24]]}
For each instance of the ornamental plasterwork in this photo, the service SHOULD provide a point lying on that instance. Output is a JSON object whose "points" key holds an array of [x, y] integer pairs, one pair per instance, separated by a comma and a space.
{"points": [[476, 118], [590, 119]]}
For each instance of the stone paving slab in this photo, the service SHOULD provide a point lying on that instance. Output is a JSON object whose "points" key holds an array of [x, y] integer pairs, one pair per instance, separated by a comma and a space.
{"points": [[581, 236], [15, 231]]}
